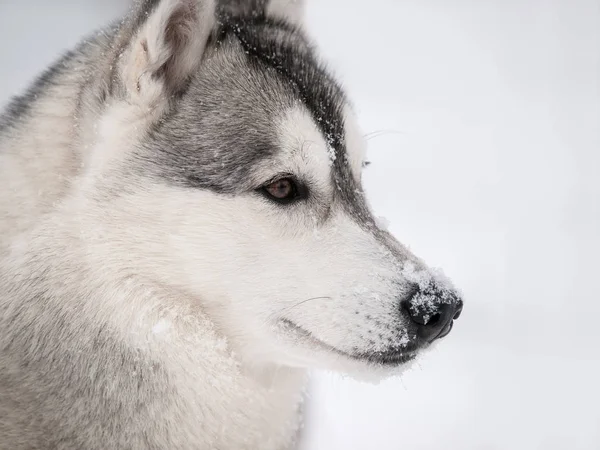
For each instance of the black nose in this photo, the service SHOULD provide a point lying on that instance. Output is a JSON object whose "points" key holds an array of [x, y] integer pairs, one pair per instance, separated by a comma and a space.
{"points": [[433, 310]]}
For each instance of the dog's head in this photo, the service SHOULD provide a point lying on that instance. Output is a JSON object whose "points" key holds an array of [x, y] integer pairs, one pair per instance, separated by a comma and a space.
{"points": [[231, 160]]}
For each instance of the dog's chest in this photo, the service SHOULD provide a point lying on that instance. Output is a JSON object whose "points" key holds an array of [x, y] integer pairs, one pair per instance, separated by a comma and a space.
{"points": [[239, 414], [215, 403]]}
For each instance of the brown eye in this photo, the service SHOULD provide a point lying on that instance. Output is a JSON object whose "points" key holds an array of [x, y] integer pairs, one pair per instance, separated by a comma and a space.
{"points": [[283, 190]]}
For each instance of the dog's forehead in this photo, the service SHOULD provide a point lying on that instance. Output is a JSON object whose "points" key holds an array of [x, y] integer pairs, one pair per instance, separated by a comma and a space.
{"points": [[316, 94], [260, 92]]}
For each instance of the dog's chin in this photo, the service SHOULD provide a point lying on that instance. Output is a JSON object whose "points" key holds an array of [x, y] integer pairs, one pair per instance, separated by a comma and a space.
{"points": [[305, 350]]}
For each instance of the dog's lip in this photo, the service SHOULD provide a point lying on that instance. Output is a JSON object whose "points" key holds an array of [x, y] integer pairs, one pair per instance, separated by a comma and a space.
{"points": [[387, 358], [446, 330], [391, 358]]}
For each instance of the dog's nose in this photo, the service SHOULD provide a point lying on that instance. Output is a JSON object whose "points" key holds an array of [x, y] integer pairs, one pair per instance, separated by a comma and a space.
{"points": [[433, 310]]}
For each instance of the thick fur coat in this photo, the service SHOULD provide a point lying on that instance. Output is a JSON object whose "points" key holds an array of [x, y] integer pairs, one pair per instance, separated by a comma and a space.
{"points": [[183, 233]]}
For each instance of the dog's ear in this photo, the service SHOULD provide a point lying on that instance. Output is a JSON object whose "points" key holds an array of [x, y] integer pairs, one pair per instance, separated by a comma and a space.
{"points": [[167, 47], [292, 11]]}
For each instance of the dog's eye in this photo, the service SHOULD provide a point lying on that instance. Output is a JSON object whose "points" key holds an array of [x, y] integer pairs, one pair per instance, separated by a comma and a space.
{"points": [[283, 190]]}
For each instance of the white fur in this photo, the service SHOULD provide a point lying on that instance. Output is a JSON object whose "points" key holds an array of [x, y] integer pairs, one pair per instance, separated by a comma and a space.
{"points": [[356, 145]]}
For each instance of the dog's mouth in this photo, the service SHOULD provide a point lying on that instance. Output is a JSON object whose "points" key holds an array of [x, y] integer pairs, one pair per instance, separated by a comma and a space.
{"points": [[381, 358]]}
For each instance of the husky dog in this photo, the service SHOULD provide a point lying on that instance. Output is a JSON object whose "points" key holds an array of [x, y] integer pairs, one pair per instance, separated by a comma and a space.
{"points": [[183, 234]]}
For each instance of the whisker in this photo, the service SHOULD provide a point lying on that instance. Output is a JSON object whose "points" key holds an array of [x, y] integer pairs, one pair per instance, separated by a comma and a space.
{"points": [[378, 133], [303, 302]]}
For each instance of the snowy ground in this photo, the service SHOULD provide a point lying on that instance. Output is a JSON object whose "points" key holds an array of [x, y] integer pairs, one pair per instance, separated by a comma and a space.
{"points": [[489, 168]]}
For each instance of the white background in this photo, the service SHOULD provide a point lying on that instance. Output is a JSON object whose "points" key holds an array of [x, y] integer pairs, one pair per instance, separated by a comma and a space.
{"points": [[489, 167]]}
